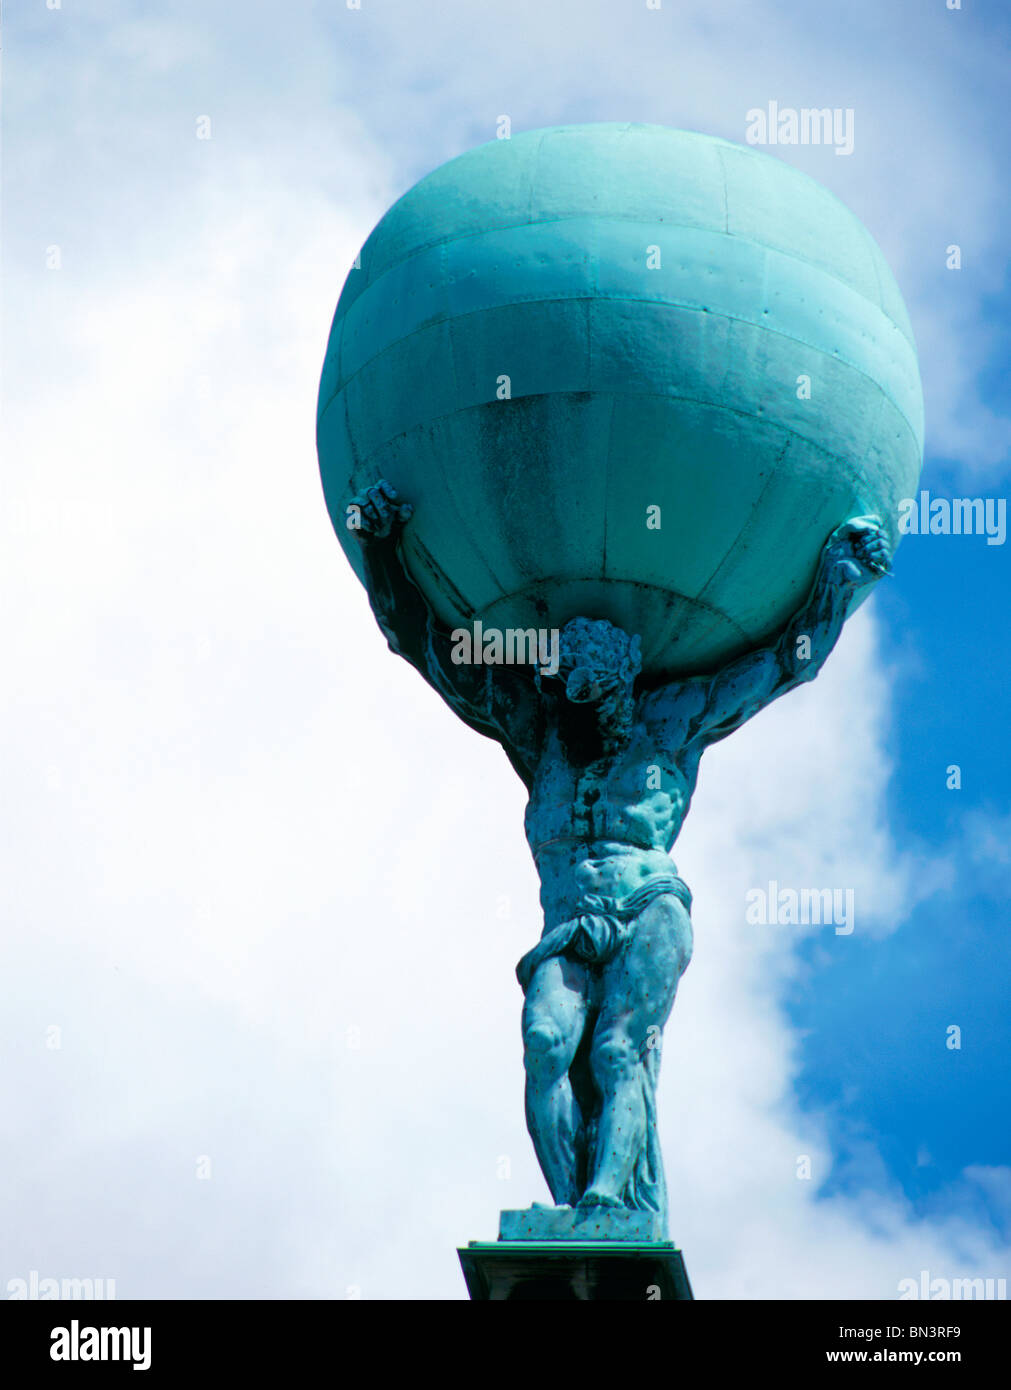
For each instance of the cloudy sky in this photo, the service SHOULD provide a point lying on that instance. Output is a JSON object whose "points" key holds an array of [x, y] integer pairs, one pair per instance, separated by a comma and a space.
{"points": [[262, 894]]}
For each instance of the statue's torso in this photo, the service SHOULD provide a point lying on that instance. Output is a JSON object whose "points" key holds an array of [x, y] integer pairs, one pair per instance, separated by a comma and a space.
{"points": [[604, 825]]}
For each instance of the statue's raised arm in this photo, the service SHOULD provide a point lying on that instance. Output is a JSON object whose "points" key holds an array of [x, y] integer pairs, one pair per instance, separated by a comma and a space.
{"points": [[499, 702], [702, 710], [855, 555]]}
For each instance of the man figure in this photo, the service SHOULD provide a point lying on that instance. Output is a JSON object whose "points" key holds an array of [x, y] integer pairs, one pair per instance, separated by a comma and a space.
{"points": [[610, 774]]}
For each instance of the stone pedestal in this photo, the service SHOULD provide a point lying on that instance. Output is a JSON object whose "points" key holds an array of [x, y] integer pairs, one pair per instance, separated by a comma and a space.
{"points": [[560, 1253]]}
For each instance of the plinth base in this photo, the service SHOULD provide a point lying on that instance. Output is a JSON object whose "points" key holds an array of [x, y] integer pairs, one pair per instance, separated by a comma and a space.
{"points": [[574, 1271], [586, 1225]]}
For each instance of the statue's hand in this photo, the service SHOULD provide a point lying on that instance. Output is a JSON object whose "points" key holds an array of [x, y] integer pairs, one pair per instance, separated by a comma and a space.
{"points": [[377, 514], [861, 547]]}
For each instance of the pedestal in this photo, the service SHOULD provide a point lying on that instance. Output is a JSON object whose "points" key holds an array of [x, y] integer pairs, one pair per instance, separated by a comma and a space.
{"points": [[561, 1253]]}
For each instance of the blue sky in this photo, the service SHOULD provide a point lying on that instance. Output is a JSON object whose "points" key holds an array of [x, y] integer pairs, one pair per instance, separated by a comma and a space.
{"points": [[877, 1016], [203, 730]]}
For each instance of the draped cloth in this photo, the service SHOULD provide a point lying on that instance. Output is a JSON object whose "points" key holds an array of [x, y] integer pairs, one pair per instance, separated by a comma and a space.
{"points": [[602, 926], [596, 935]]}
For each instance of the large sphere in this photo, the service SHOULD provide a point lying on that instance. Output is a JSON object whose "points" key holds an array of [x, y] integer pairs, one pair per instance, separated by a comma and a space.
{"points": [[552, 335]]}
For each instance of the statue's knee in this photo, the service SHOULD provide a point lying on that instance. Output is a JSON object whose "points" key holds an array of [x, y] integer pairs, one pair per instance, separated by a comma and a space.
{"points": [[545, 1049], [614, 1058]]}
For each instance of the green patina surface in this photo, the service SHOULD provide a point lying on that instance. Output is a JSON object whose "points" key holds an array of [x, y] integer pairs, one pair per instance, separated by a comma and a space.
{"points": [[653, 296]]}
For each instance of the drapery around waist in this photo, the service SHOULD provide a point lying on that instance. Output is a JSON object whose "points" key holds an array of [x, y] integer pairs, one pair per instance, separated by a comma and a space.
{"points": [[601, 925]]}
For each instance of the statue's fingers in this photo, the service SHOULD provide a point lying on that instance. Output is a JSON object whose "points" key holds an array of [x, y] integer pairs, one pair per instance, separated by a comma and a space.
{"points": [[381, 502], [868, 555], [373, 515]]}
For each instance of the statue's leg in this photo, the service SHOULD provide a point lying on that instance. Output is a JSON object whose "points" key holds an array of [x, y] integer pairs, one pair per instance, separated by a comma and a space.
{"points": [[638, 992], [554, 1017]]}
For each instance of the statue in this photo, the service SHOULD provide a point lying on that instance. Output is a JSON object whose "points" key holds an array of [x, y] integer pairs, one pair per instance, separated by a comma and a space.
{"points": [[656, 395], [610, 769]]}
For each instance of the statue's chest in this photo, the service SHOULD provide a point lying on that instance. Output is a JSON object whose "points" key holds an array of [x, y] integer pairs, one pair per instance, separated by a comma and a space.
{"points": [[614, 779]]}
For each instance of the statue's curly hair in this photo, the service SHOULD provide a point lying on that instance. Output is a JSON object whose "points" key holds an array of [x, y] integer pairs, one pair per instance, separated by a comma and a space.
{"points": [[602, 644]]}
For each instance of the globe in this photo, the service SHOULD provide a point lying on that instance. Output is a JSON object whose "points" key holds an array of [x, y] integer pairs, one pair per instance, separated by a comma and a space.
{"points": [[621, 372]]}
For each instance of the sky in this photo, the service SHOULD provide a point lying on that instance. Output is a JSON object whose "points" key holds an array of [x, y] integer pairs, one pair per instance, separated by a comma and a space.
{"points": [[261, 894]]}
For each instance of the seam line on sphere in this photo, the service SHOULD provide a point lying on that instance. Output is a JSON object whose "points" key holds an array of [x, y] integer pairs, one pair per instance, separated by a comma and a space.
{"points": [[638, 584], [650, 395], [730, 318], [526, 221]]}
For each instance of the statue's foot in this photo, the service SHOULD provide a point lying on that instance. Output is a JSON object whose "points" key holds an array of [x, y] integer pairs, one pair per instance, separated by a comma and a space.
{"points": [[550, 1206], [593, 1198]]}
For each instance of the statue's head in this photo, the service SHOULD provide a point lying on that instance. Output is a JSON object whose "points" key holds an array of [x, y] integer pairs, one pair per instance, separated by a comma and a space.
{"points": [[597, 665]]}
